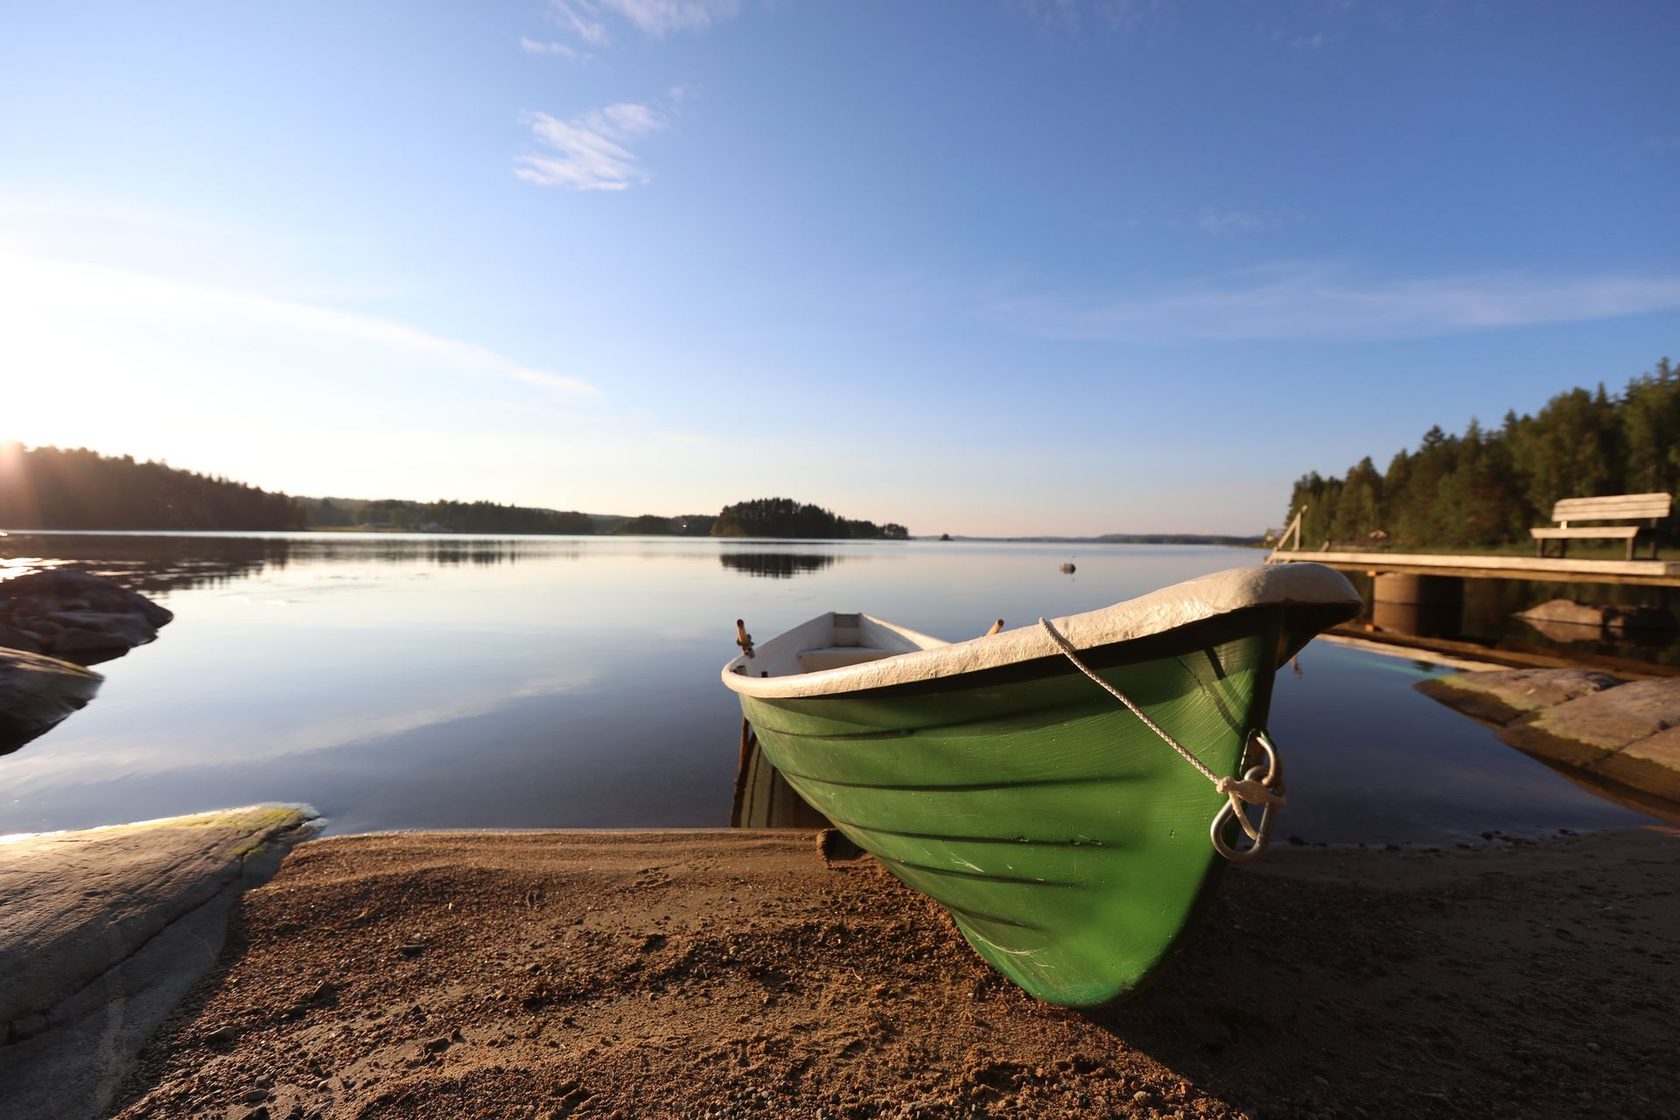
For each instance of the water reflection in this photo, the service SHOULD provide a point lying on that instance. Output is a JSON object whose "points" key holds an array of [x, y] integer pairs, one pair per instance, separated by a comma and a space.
{"points": [[158, 563], [776, 565], [1486, 612]]}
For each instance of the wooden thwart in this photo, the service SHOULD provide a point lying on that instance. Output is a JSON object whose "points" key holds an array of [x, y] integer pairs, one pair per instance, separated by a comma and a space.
{"points": [[1615, 507]]}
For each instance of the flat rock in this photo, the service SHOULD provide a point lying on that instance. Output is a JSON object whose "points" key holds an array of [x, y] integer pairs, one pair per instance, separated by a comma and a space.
{"points": [[36, 692], [1651, 765], [1501, 696], [103, 931], [1582, 731], [1623, 734]]}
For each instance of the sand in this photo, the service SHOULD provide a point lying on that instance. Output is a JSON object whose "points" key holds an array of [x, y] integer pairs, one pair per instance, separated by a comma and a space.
{"points": [[723, 974]]}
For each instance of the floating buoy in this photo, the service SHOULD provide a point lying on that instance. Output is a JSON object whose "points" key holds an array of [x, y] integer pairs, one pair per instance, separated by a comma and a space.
{"points": [[1068, 569]]}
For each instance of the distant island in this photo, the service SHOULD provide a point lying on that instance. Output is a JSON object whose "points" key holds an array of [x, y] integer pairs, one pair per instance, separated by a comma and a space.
{"points": [[79, 489], [1490, 486], [784, 517]]}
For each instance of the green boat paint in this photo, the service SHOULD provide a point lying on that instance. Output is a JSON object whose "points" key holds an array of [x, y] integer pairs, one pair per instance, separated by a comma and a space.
{"points": [[1069, 843]]}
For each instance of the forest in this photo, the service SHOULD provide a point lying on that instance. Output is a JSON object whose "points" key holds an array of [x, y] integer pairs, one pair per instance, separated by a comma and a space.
{"points": [[1489, 486], [784, 517], [53, 488], [397, 515]]}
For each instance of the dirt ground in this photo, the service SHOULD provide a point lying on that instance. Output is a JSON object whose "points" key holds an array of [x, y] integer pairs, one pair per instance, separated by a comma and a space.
{"points": [[712, 974]]}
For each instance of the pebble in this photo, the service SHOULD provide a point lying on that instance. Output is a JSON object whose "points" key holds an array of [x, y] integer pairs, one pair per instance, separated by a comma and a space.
{"points": [[222, 1036]]}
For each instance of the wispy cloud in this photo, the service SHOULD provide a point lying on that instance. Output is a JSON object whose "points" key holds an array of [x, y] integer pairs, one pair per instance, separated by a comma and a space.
{"points": [[590, 20], [1324, 302], [1663, 145], [550, 46], [588, 152], [661, 17], [580, 17], [1230, 221], [1312, 42], [56, 288], [1113, 15]]}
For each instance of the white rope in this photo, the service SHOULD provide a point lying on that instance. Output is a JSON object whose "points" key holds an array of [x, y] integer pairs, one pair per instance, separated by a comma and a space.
{"points": [[1249, 788]]}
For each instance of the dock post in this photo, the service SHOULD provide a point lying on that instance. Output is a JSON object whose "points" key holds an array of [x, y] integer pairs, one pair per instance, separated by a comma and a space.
{"points": [[1426, 606]]}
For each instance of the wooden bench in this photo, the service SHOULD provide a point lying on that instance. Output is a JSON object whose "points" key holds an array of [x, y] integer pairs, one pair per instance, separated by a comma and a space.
{"points": [[1616, 507]]}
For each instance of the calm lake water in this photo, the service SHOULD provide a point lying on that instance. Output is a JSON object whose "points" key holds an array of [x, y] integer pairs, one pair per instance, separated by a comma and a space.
{"points": [[474, 682]]}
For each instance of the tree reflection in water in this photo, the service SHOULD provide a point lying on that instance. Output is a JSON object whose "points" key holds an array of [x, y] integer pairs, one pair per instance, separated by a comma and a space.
{"points": [[155, 564], [776, 565]]}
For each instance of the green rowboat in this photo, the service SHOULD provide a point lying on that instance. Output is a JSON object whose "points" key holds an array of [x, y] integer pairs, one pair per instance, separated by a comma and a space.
{"points": [[1056, 822]]}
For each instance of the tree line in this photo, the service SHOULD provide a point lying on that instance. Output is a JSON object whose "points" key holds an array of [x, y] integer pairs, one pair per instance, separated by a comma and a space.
{"points": [[74, 488], [1490, 486], [785, 517], [394, 514]]}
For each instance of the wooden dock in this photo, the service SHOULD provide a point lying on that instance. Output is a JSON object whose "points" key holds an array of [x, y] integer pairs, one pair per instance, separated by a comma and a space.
{"points": [[1661, 573]]}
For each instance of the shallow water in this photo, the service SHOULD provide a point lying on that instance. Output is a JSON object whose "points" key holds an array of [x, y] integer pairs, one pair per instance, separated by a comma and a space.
{"points": [[465, 682]]}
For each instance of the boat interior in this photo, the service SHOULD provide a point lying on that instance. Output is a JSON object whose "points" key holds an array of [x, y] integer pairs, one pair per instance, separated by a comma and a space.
{"points": [[832, 641]]}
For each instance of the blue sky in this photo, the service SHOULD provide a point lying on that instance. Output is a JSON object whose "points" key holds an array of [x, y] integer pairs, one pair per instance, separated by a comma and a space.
{"points": [[990, 267]]}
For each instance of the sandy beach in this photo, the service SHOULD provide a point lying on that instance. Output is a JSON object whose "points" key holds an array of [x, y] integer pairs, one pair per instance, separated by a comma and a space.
{"points": [[696, 974]]}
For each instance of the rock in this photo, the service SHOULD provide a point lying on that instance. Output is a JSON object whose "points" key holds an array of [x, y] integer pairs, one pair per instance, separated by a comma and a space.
{"points": [[13, 638], [77, 616], [102, 933], [222, 1036], [36, 692], [1583, 731], [1503, 695], [1568, 611], [1566, 615], [1651, 764]]}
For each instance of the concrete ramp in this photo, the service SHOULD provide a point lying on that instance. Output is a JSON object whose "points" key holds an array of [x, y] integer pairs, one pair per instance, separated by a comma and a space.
{"points": [[103, 931]]}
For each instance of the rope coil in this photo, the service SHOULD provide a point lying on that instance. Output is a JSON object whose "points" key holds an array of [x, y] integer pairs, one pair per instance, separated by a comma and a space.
{"points": [[1260, 785]]}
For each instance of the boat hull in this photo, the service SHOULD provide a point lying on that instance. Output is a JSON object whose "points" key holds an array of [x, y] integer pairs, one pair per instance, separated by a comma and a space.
{"points": [[1067, 841]]}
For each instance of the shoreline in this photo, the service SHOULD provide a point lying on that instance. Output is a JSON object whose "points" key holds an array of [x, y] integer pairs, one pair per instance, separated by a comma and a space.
{"points": [[718, 972]]}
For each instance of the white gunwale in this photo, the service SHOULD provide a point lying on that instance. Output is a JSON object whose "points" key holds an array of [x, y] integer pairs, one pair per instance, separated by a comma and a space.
{"points": [[910, 657]]}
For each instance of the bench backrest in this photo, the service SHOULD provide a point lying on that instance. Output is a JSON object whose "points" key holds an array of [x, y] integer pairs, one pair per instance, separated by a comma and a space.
{"points": [[1613, 508]]}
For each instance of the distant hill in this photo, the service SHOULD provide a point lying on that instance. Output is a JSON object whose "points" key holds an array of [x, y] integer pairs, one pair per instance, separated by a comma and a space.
{"points": [[54, 488]]}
